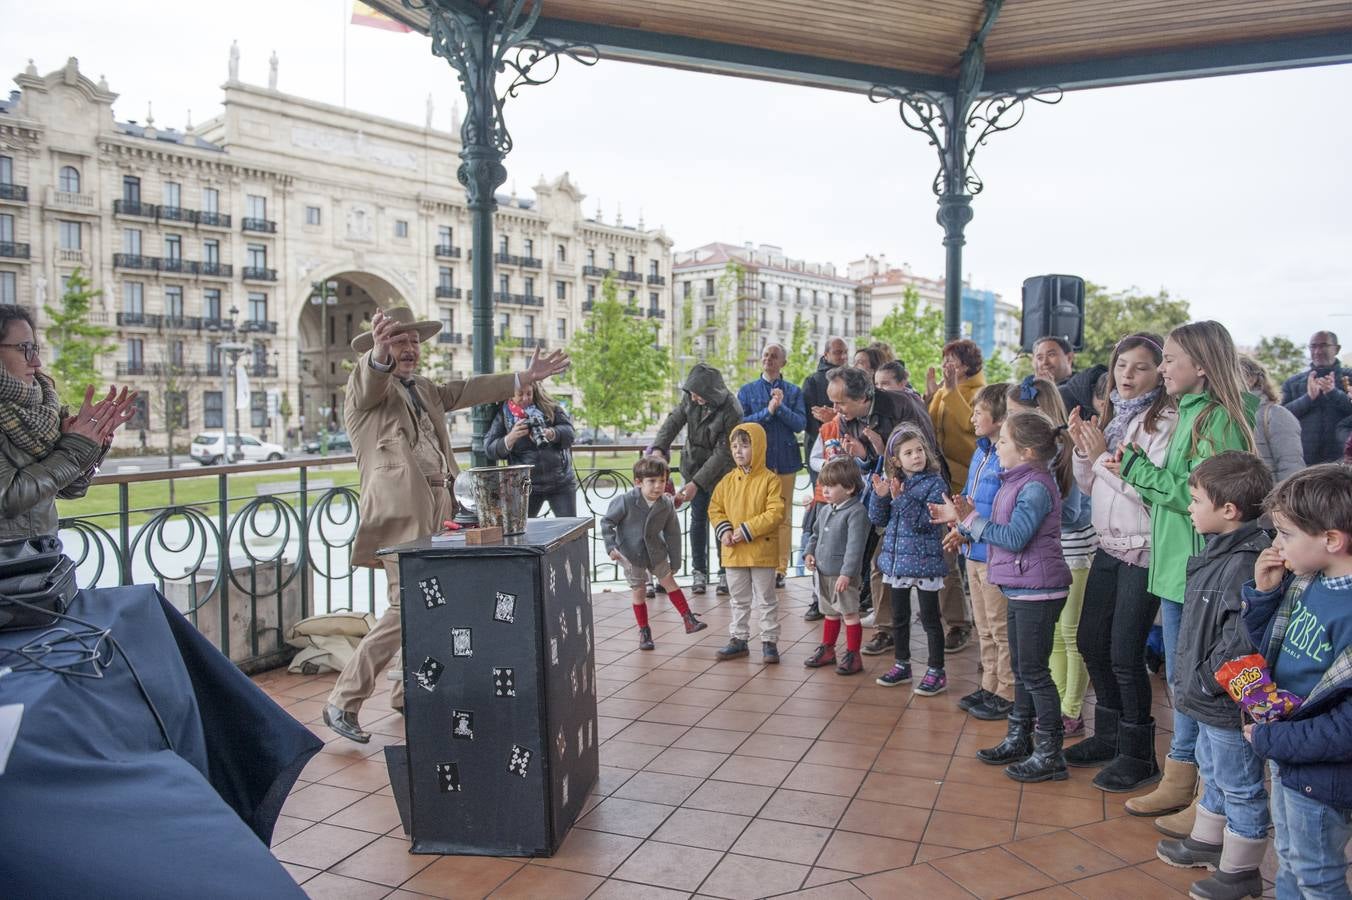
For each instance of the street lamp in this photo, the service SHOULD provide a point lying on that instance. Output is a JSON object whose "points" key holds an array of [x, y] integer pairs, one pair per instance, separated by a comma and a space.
{"points": [[234, 348], [324, 294]]}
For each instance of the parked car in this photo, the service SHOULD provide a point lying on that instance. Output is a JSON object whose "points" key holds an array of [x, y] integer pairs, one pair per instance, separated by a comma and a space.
{"points": [[339, 442], [603, 436], [208, 448]]}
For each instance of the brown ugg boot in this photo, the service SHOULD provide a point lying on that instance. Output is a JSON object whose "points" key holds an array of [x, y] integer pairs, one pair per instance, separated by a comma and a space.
{"points": [[1175, 791], [1179, 825]]}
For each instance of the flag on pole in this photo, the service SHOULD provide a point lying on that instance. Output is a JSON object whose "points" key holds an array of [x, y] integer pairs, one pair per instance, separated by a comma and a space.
{"points": [[374, 18]]}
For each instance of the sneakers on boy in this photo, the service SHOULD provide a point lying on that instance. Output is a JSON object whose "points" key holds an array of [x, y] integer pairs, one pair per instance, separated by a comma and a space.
{"points": [[769, 653], [975, 698], [850, 664], [814, 613], [722, 589], [651, 592], [879, 644], [934, 682], [698, 582], [995, 708], [692, 624], [645, 638], [734, 648], [823, 656], [900, 673]]}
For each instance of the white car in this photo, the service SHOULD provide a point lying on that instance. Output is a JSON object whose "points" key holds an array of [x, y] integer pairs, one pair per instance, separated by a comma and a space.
{"points": [[208, 448]]}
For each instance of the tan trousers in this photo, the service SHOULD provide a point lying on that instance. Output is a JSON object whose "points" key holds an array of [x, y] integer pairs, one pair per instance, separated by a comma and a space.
{"points": [[880, 592], [358, 679], [990, 610], [786, 527], [952, 601]]}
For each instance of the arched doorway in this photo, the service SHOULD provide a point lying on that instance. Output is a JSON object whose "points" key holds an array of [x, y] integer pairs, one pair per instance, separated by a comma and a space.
{"points": [[337, 309]]}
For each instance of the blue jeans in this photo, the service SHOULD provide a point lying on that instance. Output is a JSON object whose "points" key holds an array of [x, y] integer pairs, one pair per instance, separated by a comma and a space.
{"points": [[1232, 778], [1311, 845], [1183, 745]]}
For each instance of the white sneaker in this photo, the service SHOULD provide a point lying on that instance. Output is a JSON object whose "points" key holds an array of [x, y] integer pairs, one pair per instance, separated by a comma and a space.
{"points": [[868, 620]]}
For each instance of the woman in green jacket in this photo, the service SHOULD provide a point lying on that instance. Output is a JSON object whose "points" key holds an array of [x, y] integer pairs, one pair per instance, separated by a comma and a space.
{"points": [[1200, 369]]}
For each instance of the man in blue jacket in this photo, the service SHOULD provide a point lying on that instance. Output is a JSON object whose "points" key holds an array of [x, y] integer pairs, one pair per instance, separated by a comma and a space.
{"points": [[1319, 398], [777, 406]]}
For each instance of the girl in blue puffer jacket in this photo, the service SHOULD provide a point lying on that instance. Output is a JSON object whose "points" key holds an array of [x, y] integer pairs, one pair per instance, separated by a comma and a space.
{"points": [[912, 550]]}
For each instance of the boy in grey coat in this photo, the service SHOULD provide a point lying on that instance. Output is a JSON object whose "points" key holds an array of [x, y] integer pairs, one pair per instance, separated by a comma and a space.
{"points": [[643, 535], [836, 551]]}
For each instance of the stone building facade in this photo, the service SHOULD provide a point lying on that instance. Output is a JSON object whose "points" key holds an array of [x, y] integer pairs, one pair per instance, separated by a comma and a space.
{"points": [[276, 228]]}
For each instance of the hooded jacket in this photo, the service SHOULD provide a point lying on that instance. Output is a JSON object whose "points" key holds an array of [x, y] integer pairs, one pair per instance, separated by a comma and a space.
{"points": [[1172, 537], [1212, 628], [749, 501], [706, 457]]}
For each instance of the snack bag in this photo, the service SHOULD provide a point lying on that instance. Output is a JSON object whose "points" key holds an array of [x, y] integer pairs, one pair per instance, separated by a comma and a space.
{"points": [[1249, 683]]}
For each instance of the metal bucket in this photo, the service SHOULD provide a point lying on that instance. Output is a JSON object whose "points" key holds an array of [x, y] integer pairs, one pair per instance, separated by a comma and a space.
{"points": [[502, 494]]}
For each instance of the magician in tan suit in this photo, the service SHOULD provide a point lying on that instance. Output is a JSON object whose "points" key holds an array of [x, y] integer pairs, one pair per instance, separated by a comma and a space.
{"points": [[397, 422]]}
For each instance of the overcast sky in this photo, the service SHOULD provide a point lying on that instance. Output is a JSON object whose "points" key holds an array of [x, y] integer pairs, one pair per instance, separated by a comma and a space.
{"points": [[1231, 192]]}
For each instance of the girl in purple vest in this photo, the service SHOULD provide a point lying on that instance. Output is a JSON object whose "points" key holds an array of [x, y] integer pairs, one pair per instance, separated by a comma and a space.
{"points": [[1025, 561]]}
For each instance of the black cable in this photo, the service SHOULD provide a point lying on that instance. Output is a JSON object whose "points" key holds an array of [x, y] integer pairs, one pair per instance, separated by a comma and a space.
{"points": [[91, 655]]}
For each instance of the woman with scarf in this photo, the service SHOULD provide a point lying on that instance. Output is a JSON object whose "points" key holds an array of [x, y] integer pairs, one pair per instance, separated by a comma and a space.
{"points": [[45, 453], [531, 429], [1118, 609]]}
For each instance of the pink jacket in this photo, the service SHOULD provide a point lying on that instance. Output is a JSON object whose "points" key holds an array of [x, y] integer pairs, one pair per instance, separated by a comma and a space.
{"points": [[1120, 518]]}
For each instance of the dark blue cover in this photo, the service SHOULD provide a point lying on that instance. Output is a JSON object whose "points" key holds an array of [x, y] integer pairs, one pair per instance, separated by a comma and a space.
{"points": [[92, 802]]}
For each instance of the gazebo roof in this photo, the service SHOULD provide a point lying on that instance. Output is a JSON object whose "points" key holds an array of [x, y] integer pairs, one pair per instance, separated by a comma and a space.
{"points": [[853, 44]]}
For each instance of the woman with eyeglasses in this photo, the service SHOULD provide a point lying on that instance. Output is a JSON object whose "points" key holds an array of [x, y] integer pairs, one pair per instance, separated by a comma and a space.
{"points": [[45, 452]]}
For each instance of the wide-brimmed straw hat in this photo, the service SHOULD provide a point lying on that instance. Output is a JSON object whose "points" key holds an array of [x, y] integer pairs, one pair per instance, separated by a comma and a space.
{"points": [[403, 316]]}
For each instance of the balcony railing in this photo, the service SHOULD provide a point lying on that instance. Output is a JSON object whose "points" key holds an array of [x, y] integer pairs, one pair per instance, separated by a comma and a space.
{"points": [[134, 208], [262, 370], [177, 214], [594, 271], [178, 265], [531, 262], [11, 250], [257, 326], [16, 192], [448, 292], [71, 200], [216, 270], [656, 313], [139, 320], [135, 261], [257, 273], [213, 219], [446, 251], [450, 337], [657, 279], [530, 343], [587, 305], [629, 276], [507, 259], [183, 323], [215, 323], [266, 226], [130, 368]]}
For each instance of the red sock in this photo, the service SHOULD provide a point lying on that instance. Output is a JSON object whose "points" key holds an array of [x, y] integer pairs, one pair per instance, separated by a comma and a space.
{"points": [[677, 598], [830, 631], [641, 614], [854, 636]]}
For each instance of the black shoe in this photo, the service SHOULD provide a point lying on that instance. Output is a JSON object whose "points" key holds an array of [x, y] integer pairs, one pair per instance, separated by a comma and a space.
{"points": [[1189, 854], [722, 589], [693, 624], [813, 614], [1135, 765], [769, 653], [1047, 762], [734, 648], [850, 664], [779, 580], [823, 656], [645, 638], [880, 643], [345, 723], [975, 698], [957, 639], [1101, 746], [1018, 743], [995, 708], [1228, 886]]}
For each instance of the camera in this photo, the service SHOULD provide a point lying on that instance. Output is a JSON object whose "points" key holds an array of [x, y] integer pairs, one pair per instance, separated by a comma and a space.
{"points": [[538, 426]]}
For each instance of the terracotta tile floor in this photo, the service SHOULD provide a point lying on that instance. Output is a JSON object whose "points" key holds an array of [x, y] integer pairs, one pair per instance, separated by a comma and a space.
{"points": [[736, 780]]}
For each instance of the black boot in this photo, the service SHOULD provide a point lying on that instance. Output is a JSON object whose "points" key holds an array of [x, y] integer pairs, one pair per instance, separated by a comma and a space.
{"points": [[1018, 742], [1101, 747], [1135, 765], [1047, 763]]}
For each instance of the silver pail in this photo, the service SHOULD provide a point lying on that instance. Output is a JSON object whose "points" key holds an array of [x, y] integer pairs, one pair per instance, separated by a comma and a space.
{"points": [[503, 496]]}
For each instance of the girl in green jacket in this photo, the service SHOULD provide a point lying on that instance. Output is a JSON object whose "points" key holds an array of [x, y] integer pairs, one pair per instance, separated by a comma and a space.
{"points": [[1201, 370]]}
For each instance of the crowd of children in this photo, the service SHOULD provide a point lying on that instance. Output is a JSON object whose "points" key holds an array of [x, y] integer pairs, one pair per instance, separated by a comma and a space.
{"points": [[1075, 530]]}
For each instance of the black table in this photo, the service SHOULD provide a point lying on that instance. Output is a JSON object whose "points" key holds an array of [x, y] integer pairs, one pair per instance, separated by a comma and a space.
{"points": [[94, 804], [499, 689]]}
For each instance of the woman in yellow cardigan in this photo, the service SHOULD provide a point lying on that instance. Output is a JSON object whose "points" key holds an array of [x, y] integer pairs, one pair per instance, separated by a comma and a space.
{"points": [[950, 408]]}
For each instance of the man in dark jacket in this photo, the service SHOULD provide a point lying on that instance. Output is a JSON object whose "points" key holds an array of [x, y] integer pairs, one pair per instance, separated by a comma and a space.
{"points": [[1319, 398], [1229, 834], [1055, 361], [777, 406], [868, 415], [815, 402], [708, 414]]}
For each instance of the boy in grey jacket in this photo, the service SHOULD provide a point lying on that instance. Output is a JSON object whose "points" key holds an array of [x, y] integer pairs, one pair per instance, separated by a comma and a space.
{"points": [[836, 552], [643, 535]]}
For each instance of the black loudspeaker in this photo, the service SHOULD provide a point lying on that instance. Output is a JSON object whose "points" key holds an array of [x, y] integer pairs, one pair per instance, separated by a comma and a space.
{"points": [[1053, 306]]}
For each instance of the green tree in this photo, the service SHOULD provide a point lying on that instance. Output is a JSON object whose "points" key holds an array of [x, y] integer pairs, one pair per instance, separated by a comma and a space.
{"points": [[1281, 356], [998, 369], [618, 368], [802, 352], [503, 347], [915, 331], [1108, 317], [76, 343]]}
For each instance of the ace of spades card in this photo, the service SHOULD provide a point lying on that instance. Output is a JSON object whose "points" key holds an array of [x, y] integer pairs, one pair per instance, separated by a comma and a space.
{"points": [[504, 607], [448, 777], [428, 673], [504, 682]]}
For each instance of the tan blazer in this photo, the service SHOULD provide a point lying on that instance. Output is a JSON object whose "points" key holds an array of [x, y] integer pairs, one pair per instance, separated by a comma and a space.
{"points": [[397, 505]]}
